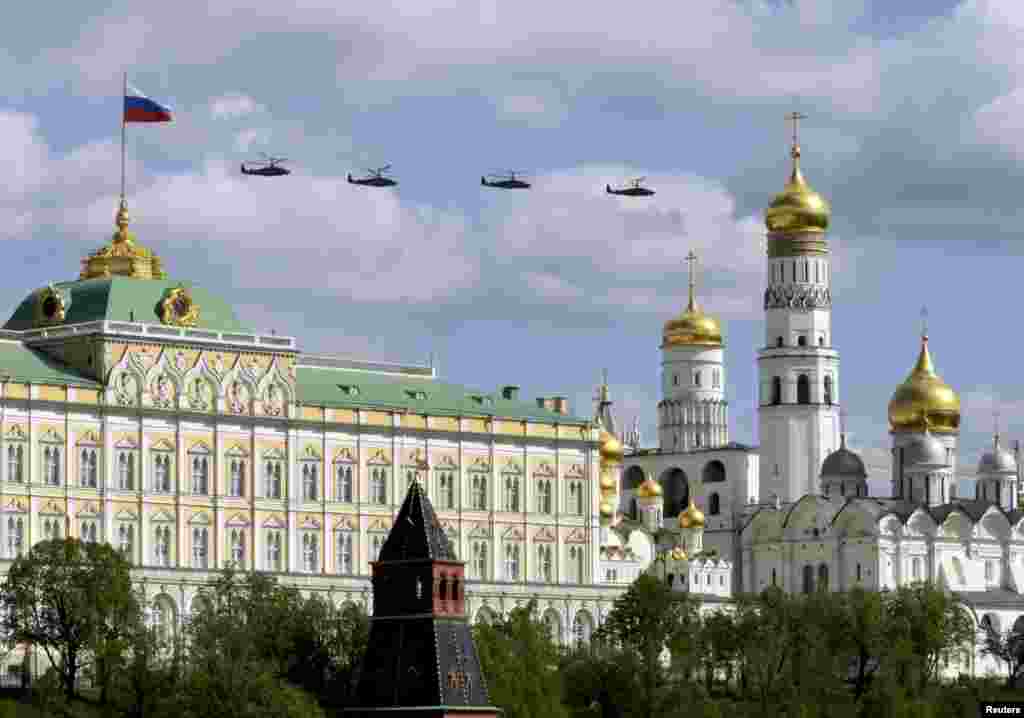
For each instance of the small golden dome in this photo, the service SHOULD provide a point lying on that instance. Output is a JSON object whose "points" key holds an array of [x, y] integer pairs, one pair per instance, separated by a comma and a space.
{"points": [[123, 256], [798, 208], [693, 326], [607, 481], [924, 401], [649, 489], [679, 554], [610, 448], [691, 518], [607, 509]]}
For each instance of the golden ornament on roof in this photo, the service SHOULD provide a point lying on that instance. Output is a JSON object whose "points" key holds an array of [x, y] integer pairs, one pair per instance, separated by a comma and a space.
{"points": [[679, 554], [649, 489], [123, 257], [178, 309], [607, 509], [693, 326], [607, 482], [692, 517], [924, 400], [610, 448]]}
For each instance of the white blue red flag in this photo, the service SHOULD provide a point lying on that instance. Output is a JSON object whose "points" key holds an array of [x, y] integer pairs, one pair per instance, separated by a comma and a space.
{"points": [[139, 108]]}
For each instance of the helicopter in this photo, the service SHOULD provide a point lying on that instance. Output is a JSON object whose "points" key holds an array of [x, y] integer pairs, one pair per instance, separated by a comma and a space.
{"points": [[634, 191], [376, 178], [505, 181], [268, 167]]}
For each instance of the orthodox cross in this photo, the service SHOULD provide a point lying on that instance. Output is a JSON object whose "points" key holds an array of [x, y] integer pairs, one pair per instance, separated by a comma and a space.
{"points": [[995, 421], [795, 117], [691, 259], [842, 424], [924, 322]]}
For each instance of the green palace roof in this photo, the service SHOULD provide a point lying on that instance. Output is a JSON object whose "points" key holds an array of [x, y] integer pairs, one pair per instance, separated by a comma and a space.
{"points": [[351, 388], [21, 364], [126, 299]]}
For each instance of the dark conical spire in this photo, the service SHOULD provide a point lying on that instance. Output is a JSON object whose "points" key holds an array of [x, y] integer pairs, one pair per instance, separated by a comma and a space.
{"points": [[417, 534]]}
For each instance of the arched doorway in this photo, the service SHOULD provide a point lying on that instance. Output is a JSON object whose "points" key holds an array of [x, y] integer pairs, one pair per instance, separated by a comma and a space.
{"points": [[675, 486], [632, 478], [714, 471]]}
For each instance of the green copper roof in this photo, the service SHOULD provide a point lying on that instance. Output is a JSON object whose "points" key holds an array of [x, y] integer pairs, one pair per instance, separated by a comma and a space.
{"points": [[323, 387], [25, 365], [126, 299]]}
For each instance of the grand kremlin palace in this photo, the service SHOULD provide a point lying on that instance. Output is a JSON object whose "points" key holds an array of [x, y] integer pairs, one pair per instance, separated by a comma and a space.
{"points": [[140, 411]]}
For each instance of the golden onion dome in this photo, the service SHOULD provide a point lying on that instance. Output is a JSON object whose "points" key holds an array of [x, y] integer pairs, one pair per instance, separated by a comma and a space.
{"points": [[678, 554], [798, 208], [607, 482], [607, 509], [924, 401], [692, 517], [649, 489], [610, 448], [693, 326]]}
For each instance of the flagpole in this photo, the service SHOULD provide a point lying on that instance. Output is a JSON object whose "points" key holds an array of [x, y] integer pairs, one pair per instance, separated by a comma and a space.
{"points": [[124, 94]]}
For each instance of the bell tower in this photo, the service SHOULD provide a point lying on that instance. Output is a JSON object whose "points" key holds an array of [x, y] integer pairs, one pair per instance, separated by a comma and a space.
{"points": [[798, 366]]}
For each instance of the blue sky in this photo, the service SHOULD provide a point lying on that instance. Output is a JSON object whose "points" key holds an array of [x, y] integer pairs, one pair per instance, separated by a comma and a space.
{"points": [[915, 127]]}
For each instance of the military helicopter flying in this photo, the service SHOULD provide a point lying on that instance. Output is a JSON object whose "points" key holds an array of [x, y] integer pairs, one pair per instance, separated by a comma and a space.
{"points": [[375, 179], [634, 191], [267, 167], [505, 181]]}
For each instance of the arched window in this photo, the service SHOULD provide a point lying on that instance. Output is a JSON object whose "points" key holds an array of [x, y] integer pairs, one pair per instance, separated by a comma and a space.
{"points": [[310, 552], [343, 483], [828, 389], [479, 486], [200, 474], [823, 577], [238, 547], [162, 472], [803, 389], [343, 561], [778, 341], [310, 476], [480, 564], [808, 578], [675, 380], [776, 390], [716, 378], [821, 341], [582, 627], [554, 625], [801, 341], [126, 471], [237, 481], [200, 536], [15, 463], [713, 504], [126, 540], [773, 577], [696, 378], [858, 572]]}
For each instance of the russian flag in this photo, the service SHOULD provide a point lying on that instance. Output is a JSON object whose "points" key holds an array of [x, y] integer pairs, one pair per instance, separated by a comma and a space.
{"points": [[139, 108]]}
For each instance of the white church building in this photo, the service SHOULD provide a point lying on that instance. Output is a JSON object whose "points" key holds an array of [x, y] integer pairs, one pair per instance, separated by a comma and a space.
{"points": [[795, 512]]}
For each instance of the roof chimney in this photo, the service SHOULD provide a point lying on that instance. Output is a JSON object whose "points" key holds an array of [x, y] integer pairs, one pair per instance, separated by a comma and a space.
{"points": [[510, 392]]}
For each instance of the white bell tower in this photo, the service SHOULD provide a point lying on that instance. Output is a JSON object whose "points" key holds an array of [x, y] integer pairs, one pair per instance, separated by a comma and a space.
{"points": [[798, 366]]}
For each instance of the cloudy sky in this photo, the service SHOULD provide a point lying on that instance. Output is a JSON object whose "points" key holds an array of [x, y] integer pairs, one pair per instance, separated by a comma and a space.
{"points": [[915, 133]]}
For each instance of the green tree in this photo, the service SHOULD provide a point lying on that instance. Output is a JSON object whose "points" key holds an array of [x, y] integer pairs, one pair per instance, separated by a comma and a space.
{"points": [[925, 624], [520, 662], [859, 626], [649, 619], [1007, 647], [74, 601]]}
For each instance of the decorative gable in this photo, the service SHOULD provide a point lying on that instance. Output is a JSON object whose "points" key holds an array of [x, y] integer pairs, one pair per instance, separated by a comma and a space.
{"points": [[514, 533], [480, 463], [576, 536], [311, 453], [237, 451], [345, 523], [162, 516], [378, 525], [199, 519], [162, 445], [544, 470], [273, 522], [446, 462], [50, 436], [89, 438], [309, 523], [379, 457], [125, 515], [544, 535], [14, 506], [512, 467], [89, 510], [51, 508], [199, 447], [274, 453], [480, 531], [345, 455], [575, 471], [16, 432], [125, 444], [237, 520], [415, 458]]}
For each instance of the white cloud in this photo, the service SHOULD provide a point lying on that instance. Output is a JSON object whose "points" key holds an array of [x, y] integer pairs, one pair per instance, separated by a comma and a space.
{"points": [[248, 138], [1001, 122], [232, 106]]}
